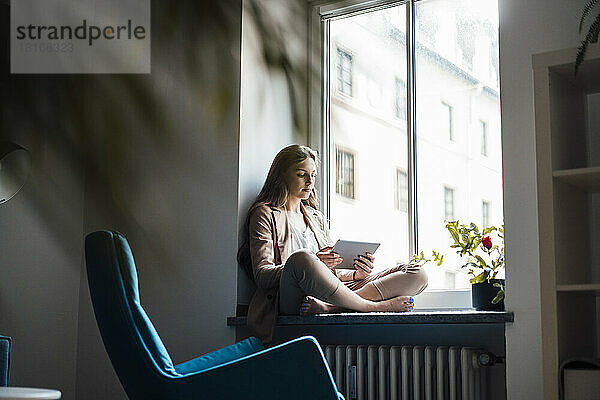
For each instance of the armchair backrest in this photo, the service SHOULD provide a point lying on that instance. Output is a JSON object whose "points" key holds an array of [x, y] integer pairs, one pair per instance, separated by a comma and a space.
{"points": [[131, 341]]}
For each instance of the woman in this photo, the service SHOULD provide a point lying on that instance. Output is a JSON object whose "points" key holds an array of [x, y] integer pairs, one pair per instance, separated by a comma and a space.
{"points": [[287, 253]]}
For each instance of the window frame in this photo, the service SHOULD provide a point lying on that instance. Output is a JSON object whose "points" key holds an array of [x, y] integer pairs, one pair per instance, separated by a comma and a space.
{"points": [[319, 137]]}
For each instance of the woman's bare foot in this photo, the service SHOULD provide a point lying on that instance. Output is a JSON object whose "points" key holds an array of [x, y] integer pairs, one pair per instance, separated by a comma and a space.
{"points": [[395, 304], [312, 305]]}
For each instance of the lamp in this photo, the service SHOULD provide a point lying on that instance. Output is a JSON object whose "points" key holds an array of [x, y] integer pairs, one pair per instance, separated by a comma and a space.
{"points": [[14, 168]]}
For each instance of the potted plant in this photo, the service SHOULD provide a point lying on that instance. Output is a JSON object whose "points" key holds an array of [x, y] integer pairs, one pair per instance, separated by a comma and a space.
{"points": [[484, 253]]}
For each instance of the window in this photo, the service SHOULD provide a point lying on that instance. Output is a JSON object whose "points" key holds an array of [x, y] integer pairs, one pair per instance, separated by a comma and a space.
{"points": [[436, 62], [446, 120], [400, 103], [344, 72], [344, 173], [484, 138], [448, 204], [401, 190], [485, 213]]}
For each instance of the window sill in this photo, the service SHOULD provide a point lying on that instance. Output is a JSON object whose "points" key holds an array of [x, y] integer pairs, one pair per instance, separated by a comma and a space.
{"points": [[462, 316]]}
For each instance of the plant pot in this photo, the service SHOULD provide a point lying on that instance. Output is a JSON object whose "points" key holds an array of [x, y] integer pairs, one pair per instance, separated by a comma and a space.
{"points": [[483, 293]]}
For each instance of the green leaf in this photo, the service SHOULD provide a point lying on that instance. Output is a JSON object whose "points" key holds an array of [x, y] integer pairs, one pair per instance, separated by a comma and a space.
{"points": [[454, 236], [453, 224], [437, 257], [482, 262], [479, 278], [499, 297], [469, 244], [494, 264]]}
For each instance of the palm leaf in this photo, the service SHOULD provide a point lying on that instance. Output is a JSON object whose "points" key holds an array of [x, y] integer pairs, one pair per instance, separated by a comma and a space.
{"points": [[581, 50], [586, 10]]}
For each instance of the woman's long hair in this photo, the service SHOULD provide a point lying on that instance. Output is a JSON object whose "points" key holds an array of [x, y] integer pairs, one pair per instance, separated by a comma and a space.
{"points": [[275, 192]]}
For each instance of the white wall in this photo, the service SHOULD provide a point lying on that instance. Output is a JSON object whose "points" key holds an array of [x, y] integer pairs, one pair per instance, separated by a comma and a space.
{"points": [[153, 156], [40, 258], [266, 124], [526, 27], [162, 158]]}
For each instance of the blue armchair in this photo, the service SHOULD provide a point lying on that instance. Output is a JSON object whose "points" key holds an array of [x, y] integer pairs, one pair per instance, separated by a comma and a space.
{"points": [[292, 370], [4, 359]]}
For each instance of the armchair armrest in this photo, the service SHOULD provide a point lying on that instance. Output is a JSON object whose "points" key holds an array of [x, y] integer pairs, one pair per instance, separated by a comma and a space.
{"points": [[293, 370], [4, 359]]}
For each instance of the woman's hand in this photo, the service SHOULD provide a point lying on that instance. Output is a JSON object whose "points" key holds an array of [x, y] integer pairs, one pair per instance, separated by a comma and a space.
{"points": [[328, 257], [363, 265]]}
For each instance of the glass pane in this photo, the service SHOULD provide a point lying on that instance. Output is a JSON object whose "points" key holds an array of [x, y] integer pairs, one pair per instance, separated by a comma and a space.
{"points": [[369, 198], [457, 88]]}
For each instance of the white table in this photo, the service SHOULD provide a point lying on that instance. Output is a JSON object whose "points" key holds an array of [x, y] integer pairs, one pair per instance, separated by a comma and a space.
{"points": [[20, 393]]}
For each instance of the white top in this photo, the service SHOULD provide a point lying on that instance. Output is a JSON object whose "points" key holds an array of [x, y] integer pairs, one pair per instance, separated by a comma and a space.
{"points": [[303, 240], [20, 393]]}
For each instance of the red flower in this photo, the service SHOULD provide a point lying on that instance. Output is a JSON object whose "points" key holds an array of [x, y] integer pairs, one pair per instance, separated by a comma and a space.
{"points": [[487, 242]]}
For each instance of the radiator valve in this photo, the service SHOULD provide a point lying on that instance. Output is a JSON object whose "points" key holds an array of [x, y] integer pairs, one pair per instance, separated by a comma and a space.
{"points": [[488, 359]]}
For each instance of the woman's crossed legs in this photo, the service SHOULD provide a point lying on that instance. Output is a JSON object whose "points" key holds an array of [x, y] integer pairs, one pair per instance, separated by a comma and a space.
{"points": [[304, 274]]}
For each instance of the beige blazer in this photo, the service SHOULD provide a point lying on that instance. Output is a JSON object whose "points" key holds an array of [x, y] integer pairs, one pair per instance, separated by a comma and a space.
{"points": [[270, 247]]}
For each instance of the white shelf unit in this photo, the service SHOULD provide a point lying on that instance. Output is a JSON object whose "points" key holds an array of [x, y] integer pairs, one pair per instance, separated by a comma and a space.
{"points": [[567, 124], [586, 179], [593, 287]]}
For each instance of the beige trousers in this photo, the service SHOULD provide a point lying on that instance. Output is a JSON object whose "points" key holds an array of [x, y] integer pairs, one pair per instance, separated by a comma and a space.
{"points": [[304, 274]]}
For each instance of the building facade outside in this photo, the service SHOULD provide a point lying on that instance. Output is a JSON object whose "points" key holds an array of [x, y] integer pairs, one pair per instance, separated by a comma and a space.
{"points": [[459, 160]]}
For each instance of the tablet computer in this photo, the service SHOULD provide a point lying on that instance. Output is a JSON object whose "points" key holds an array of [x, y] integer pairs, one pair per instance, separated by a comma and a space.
{"points": [[349, 250]]}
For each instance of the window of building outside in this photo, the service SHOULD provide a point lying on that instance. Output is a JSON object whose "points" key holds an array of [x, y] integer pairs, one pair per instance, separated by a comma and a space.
{"points": [[401, 190], [483, 127], [485, 213], [446, 121], [400, 103], [455, 70], [451, 279], [448, 204], [345, 174], [344, 72]]}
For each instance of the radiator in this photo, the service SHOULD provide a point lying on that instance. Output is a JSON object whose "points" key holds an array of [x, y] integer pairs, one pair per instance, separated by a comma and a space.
{"points": [[407, 372]]}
